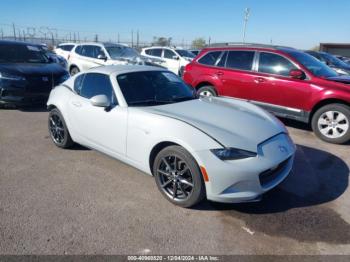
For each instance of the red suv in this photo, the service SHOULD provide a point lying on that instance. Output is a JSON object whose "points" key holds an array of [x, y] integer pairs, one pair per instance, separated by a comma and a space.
{"points": [[285, 81]]}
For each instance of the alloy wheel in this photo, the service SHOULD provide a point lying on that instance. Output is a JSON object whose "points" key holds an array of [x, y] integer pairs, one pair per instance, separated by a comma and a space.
{"points": [[57, 130], [333, 124], [205, 93], [176, 179]]}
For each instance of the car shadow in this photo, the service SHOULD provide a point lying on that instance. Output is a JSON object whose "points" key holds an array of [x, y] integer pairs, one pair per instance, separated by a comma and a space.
{"points": [[78, 147], [300, 125], [296, 207], [296, 124], [34, 108]]}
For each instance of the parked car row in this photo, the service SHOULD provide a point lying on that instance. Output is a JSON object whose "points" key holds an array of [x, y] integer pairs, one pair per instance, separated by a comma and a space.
{"points": [[227, 150]]}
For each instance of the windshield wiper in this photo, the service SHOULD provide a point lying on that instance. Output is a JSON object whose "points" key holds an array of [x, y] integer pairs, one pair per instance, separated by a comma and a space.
{"points": [[147, 102], [182, 98]]}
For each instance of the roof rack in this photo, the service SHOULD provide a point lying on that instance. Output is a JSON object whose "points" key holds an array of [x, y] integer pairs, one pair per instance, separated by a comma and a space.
{"points": [[241, 44]]}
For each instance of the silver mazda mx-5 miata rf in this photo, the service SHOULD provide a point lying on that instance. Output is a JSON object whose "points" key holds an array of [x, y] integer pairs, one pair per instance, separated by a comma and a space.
{"points": [[223, 149]]}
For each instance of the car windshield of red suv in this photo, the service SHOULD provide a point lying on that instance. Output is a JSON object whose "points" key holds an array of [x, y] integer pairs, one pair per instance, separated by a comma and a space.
{"points": [[316, 67]]}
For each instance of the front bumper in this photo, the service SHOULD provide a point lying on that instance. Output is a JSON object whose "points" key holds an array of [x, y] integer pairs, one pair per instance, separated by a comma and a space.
{"points": [[19, 96], [247, 179]]}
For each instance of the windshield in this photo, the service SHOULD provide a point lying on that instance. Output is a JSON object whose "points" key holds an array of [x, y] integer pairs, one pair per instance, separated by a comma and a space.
{"points": [[185, 53], [117, 52], [153, 88], [316, 67], [333, 60], [13, 53]]}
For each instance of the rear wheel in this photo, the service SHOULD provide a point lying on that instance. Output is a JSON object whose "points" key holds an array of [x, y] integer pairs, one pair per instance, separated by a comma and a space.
{"points": [[58, 129], [331, 123], [74, 70], [178, 176], [206, 91]]}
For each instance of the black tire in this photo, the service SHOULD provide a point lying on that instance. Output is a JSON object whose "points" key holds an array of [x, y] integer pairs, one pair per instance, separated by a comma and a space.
{"points": [[74, 70], [58, 130], [319, 117], [206, 91], [186, 195]]}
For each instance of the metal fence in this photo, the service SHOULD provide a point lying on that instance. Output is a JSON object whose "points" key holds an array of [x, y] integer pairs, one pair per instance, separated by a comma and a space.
{"points": [[54, 36]]}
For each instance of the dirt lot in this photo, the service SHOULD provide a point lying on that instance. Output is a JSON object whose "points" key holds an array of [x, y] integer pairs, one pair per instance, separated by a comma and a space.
{"points": [[78, 201]]}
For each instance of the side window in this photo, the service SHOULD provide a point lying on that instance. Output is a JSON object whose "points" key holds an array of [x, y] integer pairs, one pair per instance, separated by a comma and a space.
{"points": [[97, 50], [97, 84], [222, 61], [156, 52], [241, 60], [78, 50], [169, 54], [78, 83], [210, 58], [274, 64], [88, 50], [68, 47], [148, 51]]}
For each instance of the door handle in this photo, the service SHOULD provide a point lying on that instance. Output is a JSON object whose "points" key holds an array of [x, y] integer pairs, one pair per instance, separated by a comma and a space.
{"points": [[259, 80], [77, 104], [219, 73]]}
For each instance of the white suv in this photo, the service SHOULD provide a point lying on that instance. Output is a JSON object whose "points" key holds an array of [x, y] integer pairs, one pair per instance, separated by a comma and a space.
{"points": [[64, 49], [175, 59], [88, 55]]}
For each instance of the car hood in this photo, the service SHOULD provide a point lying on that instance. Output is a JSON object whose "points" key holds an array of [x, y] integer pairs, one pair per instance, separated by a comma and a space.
{"points": [[32, 69], [342, 79], [233, 123]]}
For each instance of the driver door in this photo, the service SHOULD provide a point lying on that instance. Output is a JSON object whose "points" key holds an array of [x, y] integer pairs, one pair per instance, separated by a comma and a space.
{"points": [[101, 128]]}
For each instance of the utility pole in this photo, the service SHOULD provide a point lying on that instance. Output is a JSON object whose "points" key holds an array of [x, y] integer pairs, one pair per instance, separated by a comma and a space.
{"points": [[118, 38], [246, 17], [137, 39], [14, 31], [24, 35], [132, 38], [209, 40]]}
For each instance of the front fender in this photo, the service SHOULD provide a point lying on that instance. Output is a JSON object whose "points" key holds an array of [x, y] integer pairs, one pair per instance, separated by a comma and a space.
{"points": [[59, 98], [146, 130]]}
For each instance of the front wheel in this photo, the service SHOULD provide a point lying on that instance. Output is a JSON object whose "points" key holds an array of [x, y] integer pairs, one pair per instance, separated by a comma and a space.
{"points": [[178, 176], [58, 129], [74, 70], [331, 123], [206, 91]]}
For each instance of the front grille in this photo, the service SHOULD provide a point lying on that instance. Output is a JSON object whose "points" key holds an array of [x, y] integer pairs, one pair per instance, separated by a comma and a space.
{"points": [[271, 174]]}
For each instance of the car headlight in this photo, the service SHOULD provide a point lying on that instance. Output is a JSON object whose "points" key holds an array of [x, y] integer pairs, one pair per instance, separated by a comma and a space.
{"points": [[7, 76], [232, 153]]}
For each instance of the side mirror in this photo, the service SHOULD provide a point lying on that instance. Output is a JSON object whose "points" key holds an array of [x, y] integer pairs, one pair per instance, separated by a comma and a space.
{"points": [[175, 57], [297, 74], [102, 57], [100, 101]]}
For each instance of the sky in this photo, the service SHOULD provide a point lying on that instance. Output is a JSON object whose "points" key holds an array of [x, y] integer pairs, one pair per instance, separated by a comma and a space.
{"points": [[298, 23]]}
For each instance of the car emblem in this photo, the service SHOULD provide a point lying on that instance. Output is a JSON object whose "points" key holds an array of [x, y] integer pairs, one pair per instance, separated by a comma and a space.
{"points": [[283, 149], [45, 79]]}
